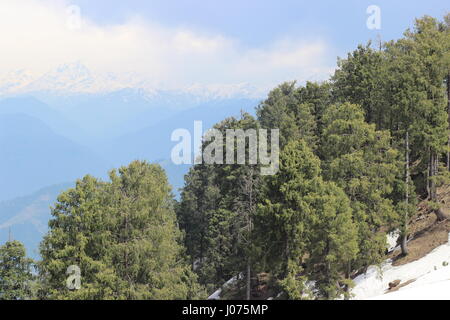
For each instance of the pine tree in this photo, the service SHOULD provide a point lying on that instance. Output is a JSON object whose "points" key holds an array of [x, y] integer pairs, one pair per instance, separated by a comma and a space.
{"points": [[417, 97], [199, 198], [123, 237], [359, 80], [319, 97], [361, 161], [78, 236], [294, 111], [307, 226], [15, 272], [446, 30], [216, 212]]}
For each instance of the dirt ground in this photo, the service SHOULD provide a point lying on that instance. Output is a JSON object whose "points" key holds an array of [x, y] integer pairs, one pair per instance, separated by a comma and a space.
{"points": [[426, 232]]}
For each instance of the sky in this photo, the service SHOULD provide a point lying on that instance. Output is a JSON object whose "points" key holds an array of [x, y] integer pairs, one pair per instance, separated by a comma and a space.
{"points": [[175, 44]]}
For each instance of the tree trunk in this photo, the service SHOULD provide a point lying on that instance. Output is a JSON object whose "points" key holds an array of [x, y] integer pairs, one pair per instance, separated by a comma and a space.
{"points": [[436, 173], [434, 162], [448, 111], [348, 272], [404, 244], [249, 281], [428, 179], [432, 174], [448, 150]]}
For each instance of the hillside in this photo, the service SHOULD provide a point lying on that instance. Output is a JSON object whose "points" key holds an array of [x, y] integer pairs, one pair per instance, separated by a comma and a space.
{"points": [[424, 273], [424, 279], [433, 286]]}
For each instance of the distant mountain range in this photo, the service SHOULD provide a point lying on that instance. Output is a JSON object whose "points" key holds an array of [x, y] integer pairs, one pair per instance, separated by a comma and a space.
{"points": [[75, 78]]}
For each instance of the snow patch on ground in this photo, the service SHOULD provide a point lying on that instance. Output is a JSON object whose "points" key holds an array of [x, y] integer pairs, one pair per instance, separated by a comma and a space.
{"points": [[392, 239], [432, 286], [216, 294], [431, 276]]}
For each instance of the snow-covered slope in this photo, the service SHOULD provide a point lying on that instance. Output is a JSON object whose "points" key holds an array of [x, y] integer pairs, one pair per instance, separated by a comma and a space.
{"points": [[432, 286], [429, 278]]}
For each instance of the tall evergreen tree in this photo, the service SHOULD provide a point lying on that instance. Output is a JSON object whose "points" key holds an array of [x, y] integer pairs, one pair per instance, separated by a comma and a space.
{"points": [[296, 112], [15, 272], [199, 198], [123, 237], [217, 208], [307, 226], [361, 161], [359, 80], [417, 96]]}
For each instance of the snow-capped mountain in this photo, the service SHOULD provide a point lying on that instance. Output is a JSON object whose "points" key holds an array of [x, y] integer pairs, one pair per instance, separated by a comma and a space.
{"points": [[76, 78], [67, 79]]}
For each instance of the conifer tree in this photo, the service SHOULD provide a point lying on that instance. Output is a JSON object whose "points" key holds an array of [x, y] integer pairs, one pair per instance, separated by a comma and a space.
{"points": [[199, 199], [296, 112], [359, 80], [216, 212], [15, 272], [308, 226], [361, 161], [417, 97], [122, 235]]}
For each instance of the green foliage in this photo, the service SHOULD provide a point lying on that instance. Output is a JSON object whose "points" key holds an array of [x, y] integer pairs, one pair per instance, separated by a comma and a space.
{"points": [[297, 112], [359, 80], [15, 272], [294, 285], [216, 212], [122, 235], [362, 162], [307, 222], [356, 153]]}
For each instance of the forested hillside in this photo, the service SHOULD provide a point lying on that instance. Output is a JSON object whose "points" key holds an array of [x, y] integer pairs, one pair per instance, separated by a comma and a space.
{"points": [[358, 153]]}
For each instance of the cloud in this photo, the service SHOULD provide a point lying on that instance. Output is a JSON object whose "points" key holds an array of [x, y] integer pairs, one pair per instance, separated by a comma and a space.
{"points": [[39, 35]]}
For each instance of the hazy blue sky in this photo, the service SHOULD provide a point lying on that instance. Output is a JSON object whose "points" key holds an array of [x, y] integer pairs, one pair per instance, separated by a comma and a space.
{"points": [[257, 22]]}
